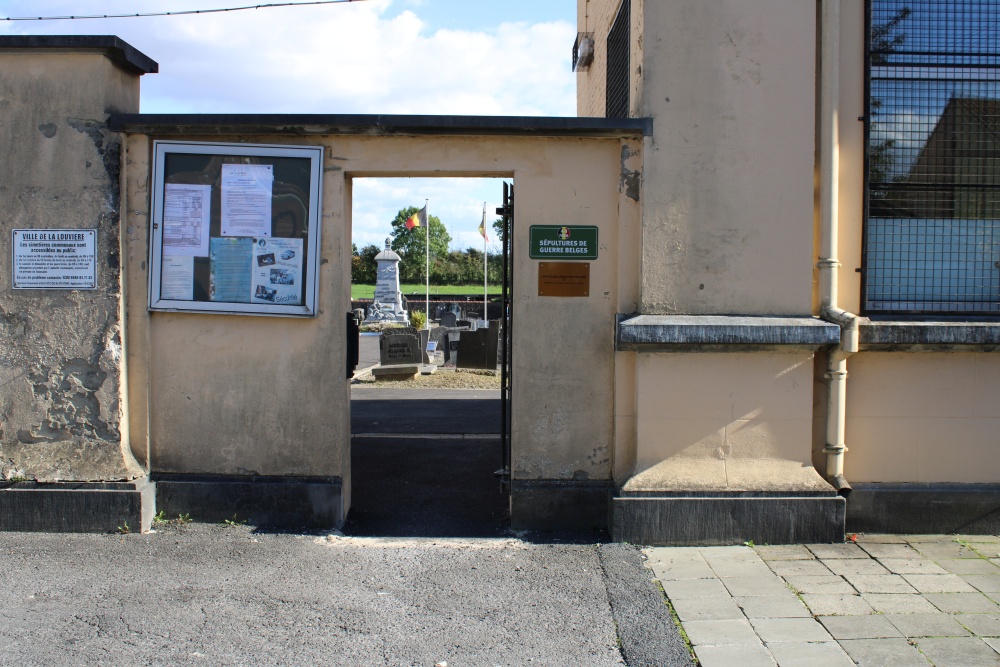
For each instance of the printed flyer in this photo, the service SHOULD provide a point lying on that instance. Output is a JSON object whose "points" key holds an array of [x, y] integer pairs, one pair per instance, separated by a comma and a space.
{"points": [[277, 271]]}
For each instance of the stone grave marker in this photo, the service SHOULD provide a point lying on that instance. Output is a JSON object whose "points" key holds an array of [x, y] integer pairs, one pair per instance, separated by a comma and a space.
{"points": [[400, 356], [478, 349], [448, 319]]}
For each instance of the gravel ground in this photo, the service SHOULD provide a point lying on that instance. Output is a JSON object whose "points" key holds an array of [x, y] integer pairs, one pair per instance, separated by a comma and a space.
{"points": [[443, 379]]}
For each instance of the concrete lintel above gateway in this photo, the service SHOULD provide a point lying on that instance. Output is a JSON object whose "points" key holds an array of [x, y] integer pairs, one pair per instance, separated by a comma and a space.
{"points": [[670, 332], [116, 49], [378, 124]]}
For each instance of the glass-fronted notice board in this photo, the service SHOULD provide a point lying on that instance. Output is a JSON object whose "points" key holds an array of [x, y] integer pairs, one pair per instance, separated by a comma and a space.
{"points": [[235, 228]]}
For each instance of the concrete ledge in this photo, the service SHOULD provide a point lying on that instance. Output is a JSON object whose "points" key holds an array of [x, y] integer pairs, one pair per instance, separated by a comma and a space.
{"points": [[396, 372], [722, 332], [924, 508], [677, 520], [76, 507], [916, 336], [557, 505], [274, 502], [116, 49]]}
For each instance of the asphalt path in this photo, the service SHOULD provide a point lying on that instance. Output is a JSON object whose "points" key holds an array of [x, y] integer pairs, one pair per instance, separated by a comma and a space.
{"points": [[217, 594]]}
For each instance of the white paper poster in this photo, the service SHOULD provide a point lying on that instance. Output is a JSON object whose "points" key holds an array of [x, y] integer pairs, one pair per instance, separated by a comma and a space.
{"points": [[277, 271], [186, 216], [177, 278], [246, 199]]}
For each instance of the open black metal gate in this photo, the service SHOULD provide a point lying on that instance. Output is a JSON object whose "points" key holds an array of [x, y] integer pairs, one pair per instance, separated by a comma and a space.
{"points": [[507, 216]]}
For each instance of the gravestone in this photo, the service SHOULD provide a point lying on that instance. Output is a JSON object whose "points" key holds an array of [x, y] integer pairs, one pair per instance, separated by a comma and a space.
{"points": [[478, 349], [400, 356], [399, 348], [464, 324], [449, 319], [388, 303], [451, 346]]}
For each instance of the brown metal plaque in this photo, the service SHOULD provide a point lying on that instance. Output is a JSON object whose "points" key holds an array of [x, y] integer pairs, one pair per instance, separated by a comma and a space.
{"points": [[564, 279]]}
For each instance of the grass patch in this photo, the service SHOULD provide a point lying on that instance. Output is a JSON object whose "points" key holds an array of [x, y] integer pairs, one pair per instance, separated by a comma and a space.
{"points": [[415, 290]]}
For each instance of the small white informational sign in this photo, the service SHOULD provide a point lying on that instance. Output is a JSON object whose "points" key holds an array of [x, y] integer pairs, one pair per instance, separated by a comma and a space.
{"points": [[246, 199], [54, 259]]}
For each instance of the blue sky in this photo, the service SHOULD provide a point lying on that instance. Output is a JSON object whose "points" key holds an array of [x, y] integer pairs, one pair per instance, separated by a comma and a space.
{"points": [[372, 56]]}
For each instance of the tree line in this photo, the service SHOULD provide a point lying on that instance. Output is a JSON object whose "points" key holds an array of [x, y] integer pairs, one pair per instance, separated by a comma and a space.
{"points": [[447, 267]]}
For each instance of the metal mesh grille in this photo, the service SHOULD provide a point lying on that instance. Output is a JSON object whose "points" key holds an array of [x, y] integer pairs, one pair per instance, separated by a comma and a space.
{"points": [[616, 90], [932, 234]]}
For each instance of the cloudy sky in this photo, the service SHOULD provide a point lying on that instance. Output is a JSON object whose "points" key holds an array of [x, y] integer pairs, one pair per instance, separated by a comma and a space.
{"points": [[369, 56]]}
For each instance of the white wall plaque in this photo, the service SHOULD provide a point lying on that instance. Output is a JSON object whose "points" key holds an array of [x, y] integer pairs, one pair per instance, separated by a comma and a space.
{"points": [[54, 258]]}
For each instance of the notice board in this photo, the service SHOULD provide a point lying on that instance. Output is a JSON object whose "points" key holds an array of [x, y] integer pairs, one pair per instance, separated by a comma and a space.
{"points": [[235, 228]]}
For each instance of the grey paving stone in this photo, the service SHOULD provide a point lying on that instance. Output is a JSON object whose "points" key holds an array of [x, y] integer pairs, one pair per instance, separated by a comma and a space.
{"points": [[990, 550], [784, 552], [810, 654], [896, 603], [987, 583], [917, 565], [716, 633], [790, 630], [810, 567], [732, 553], [844, 566], [859, 627], [773, 606], [935, 537], [824, 584], [838, 605], [837, 551], [939, 583], [969, 566], [969, 603], [707, 609], [927, 625], [883, 652], [942, 550], [679, 589], [993, 643], [958, 652], [682, 570], [741, 568], [880, 538], [890, 550], [739, 654], [672, 554], [983, 625], [756, 585], [985, 539], [880, 583]]}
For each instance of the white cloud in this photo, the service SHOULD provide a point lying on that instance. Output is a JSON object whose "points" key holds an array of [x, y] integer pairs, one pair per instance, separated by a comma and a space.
{"points": [[364, 57]]}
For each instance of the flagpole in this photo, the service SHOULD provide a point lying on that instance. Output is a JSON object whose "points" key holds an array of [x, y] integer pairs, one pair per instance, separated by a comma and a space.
{"points": [[427, 275], [486, 312]]}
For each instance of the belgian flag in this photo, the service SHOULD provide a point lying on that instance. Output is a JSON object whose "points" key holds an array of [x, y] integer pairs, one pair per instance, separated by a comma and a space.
{"points": [[418, 219]]}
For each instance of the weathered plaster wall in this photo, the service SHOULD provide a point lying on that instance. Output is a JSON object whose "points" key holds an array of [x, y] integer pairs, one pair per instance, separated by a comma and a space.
{"points": [[61, 351], [728, 177], [923, 417], [208, 413]]}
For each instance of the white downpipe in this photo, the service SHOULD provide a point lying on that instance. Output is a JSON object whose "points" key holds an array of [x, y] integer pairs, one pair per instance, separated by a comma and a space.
{"points": [[828, 264]]}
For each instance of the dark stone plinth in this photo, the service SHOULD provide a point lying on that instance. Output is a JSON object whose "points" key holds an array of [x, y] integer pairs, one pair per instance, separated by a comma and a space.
{"points": [[274, 502], [559, 505], [972, 509], [76, 507], [699, 520]]}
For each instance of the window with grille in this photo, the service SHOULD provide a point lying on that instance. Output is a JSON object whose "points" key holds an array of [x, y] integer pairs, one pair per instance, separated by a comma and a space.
{"points": [[932, 224], [617, 79]]}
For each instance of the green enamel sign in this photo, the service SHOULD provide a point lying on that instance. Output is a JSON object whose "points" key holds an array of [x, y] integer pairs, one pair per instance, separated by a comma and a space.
{"points": [[562, 243]]}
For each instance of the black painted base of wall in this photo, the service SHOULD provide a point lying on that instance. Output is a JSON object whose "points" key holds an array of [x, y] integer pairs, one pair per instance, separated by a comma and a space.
{"points": [[972, 509], [76, 507], [270, 502], [719, 519], [559, 505]]}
